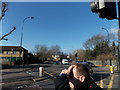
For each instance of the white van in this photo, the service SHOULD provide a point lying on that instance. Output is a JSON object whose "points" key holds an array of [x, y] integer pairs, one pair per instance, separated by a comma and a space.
{"points": [[65, 61]]}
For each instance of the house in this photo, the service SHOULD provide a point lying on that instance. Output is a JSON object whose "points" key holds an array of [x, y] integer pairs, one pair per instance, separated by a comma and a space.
{"points": [[11, 54]]}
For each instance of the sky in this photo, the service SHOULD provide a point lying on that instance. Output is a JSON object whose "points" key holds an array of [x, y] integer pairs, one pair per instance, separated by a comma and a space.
{"points": [[67, 24]]}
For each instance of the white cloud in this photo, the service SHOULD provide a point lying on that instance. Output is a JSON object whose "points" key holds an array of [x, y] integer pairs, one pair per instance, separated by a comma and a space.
{"points": [[114, 31]]}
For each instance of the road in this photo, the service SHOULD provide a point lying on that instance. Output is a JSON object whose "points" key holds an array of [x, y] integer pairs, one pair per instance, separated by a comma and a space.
{"points": [[28, 77]]}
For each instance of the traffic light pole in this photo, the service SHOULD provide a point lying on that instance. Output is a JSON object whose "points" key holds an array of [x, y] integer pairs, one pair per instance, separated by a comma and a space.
{"points": [[108, 11], [119, 35]]}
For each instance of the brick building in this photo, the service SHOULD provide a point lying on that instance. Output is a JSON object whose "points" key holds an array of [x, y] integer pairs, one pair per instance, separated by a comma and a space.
{"points": [[11, 54]]}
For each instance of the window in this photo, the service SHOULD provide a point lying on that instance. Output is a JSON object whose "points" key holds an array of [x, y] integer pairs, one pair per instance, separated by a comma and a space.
{"points": [[1, 52], [14, 52], [8, 52]]}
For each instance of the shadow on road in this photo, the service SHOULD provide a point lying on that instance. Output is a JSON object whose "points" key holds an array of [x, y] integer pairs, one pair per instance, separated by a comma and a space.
{"points": [[23, 66], [8, 69], [99, 76]]}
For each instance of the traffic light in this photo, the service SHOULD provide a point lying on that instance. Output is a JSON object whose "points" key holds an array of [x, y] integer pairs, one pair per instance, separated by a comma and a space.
{"points": [[95, 6], [104, 9], [76, 55]]}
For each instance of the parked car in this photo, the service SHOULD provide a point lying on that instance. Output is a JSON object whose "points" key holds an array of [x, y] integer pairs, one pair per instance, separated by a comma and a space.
{"points": [[87, 65], [65, 61], [70, 60], [56, 62], [91, 64], [79, 61]]}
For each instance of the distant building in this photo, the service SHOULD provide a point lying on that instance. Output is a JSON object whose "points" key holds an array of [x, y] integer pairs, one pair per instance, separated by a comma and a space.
{"points": [[11, 54], [56, 57]]}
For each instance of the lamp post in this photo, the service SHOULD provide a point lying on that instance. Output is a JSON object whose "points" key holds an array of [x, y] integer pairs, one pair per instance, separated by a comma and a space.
{"points": [[21, 42], [107, 33], [22, 29], [108, 42]]}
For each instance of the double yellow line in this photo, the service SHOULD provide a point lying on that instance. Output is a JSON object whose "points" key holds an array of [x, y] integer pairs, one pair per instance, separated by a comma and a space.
{"points": [[101, 82], [51, 74], [44, 78], [110, 83]]}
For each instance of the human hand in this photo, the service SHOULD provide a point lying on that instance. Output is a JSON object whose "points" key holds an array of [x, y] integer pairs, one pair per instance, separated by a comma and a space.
{"points": [[67, 71], [64, 71], [71, 68]]}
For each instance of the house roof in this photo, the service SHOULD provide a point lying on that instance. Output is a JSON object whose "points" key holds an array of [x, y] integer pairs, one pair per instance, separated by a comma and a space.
{"points": [[9, 48]]}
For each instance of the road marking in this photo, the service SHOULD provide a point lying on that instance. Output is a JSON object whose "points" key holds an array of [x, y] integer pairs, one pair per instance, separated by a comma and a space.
{"points": [[101, 82], [38, 79], [49, 74], [55, 72], [110, 83]]}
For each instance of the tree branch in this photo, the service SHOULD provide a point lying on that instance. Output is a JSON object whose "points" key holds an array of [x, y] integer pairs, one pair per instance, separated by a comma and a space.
{"points": [[4, 9], [3, 37]]}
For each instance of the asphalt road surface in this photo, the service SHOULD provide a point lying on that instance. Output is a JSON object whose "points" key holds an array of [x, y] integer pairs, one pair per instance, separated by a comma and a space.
{"points": [[28, 77]]}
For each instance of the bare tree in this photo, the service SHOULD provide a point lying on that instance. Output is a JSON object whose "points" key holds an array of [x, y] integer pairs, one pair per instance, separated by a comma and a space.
{"points": [[93, 41], [3, 37], [41, 52], [81, 54], [4, 9], [55, 50], [37, 47]]}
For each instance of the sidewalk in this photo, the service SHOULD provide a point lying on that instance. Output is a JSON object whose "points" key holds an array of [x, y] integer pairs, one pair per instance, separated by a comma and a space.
{"points": [[7, 71], [14, 77], [111, 82]]}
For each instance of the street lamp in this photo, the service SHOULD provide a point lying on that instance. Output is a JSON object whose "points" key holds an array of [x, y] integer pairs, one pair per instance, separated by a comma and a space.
{"points": [[108, 42], [107, 33], [22, 29], [22, 36]]}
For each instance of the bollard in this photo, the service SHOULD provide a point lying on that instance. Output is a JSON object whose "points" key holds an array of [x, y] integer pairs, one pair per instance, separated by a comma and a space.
{"points": [[115, 68], [111, 69], [40, 71]]}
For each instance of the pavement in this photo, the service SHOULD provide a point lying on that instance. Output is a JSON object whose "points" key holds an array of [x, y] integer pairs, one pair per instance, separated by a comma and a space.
{"points": [[15, 77], [109, 81]]}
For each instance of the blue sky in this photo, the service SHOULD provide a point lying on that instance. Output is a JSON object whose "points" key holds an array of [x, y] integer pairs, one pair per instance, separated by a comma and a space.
{"points": [[67, 24]]}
